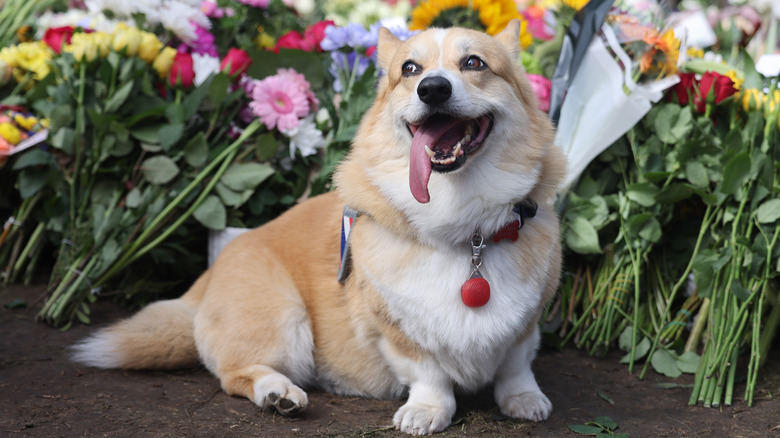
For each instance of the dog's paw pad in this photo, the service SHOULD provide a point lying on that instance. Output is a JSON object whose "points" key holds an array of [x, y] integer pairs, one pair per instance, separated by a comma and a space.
{"points": [[533, 406], [281, 394], [418, 419]]}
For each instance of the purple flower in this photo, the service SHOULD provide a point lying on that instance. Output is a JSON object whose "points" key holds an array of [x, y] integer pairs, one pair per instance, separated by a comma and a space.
{"points": [[203, 43], [344, 62], [351, 35]]}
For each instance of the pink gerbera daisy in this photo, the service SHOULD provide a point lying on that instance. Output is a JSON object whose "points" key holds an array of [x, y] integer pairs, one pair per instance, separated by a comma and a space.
{"points": [[279, 102]]}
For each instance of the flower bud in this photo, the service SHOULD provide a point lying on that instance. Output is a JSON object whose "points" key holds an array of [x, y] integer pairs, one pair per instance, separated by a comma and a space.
{"points": [[162, 63], [149, 47], [235, 63], [752, 99], [182, 72], [126, 38]]}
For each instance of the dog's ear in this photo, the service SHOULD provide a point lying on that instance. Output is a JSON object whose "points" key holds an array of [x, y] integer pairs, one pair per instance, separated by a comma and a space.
{"points": [[510, 37], [387, 46]]}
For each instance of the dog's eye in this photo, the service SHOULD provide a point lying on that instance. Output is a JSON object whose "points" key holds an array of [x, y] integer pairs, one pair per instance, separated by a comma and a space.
{"points": [[474, 62], [410, 68]]}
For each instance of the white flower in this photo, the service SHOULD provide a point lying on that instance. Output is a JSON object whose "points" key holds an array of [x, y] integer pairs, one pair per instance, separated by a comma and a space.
{"points": [[305, 138], [178, 17], [204, 66]]}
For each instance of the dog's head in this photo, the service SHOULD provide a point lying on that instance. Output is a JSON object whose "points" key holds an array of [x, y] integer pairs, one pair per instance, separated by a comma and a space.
{"points": [[453, 94]]}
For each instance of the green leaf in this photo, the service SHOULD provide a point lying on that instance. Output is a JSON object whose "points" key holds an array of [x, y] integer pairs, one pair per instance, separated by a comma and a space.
{"points": [[664, 363], [673, 193], [196, 151], [119, 97], [697, 174], [63, 139], [218, 89], [265, 147], [245, 176], [642, 193], [133, 198], [585, 430], [642, 348], [606, 422], [211, 213], [739, 291], [664, 122], [159, 169], [735, 172], [688, 362], [148, 133], [31, 180], [33, 157], [767, 212], [651, 231], [170, 134], [582, 237]]}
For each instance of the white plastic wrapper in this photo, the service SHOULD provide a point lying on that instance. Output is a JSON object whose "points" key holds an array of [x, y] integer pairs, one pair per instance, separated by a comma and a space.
{"points": [[597, 110]]}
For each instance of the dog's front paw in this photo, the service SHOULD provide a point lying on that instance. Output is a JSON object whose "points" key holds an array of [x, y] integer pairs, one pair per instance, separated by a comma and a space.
{"points": [[533, 406], [419, 419], [279, 392]]}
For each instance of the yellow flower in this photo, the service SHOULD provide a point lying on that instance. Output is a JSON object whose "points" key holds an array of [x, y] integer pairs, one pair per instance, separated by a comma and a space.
{"points": [[575, 4], [103, 42], [752, 99], [264, 41], [732, 74], [162, 63], [492, 15], [772, 104], [694, 53], [126, 38], [25, 122], [149, 47], [83, 47], [28, 57], [664, 49], [10, 133]]}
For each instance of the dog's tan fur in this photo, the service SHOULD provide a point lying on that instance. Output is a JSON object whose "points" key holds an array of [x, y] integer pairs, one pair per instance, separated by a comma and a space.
{"points": [[270, 316]]}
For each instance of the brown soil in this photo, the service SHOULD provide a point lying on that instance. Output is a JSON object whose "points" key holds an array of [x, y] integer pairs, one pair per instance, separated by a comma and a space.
{"points": [[43, 394]]}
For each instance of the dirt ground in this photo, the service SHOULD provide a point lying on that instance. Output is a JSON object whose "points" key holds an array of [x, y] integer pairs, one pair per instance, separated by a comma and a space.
{"points": [[43, 394]]}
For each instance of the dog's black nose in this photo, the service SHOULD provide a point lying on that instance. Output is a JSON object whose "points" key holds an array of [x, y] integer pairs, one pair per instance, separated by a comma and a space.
{"points": [[434, 90]]}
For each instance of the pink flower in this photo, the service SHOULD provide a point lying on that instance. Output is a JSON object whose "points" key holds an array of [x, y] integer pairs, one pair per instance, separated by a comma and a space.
{"points": [[204, 42], [256, 3], [537, 24], [541, 86], [279, 101], [302, 84]]}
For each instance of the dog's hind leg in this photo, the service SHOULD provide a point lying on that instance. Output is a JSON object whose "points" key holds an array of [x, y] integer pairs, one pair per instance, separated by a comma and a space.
{"points": [[267, 387], [516, 391], [253, 332]]}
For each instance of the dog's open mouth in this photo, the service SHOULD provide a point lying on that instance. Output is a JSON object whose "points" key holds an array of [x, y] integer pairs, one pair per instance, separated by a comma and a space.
{"points": [[442, 143]]}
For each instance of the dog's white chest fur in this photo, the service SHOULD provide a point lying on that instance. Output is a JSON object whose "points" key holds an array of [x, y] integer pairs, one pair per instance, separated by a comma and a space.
{"points": [[425, 298]]}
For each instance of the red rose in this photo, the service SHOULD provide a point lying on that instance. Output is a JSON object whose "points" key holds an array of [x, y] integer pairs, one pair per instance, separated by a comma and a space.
{"points": [[235, 63], [182, 72], [685, 87], [720, 86], [56, 37], [316, 32], [294, 40]]}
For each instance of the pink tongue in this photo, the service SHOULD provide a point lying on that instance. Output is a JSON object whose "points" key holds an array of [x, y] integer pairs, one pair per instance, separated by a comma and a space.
{"points": [[428, 134]]}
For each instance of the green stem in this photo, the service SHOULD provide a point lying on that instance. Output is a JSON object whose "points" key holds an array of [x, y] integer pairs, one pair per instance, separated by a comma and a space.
{"points": [[130, 254], [708, 214]]}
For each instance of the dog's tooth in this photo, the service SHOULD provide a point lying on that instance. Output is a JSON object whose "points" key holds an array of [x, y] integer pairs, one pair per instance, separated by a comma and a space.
{"points": [[429, 151], [468, 132], [456, 151]]}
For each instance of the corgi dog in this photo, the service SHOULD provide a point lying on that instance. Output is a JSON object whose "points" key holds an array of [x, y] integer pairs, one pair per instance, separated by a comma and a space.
{"points": [[452, 255]]}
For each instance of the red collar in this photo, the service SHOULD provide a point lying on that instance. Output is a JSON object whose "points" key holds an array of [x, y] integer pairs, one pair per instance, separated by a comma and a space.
{"points": [[522, 211]]}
